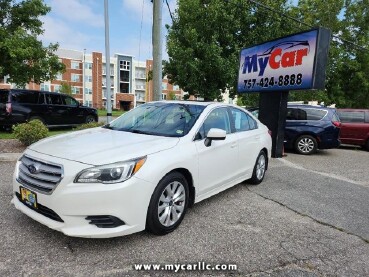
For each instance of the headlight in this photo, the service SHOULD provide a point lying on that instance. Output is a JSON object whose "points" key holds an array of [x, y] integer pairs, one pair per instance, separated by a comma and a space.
{"points": [[110, 173]]}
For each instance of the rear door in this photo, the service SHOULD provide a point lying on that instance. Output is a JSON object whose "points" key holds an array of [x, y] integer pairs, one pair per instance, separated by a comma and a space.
{"points": [[249, 138], [354, 130], [57, 111]]}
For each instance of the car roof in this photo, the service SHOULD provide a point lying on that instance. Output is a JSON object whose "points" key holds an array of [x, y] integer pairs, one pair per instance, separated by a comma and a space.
{"points": [[353, 110], [199, 103], [309, 107]]}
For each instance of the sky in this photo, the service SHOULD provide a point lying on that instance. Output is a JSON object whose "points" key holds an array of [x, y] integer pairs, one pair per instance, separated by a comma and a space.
{"points": [[79, 24]]}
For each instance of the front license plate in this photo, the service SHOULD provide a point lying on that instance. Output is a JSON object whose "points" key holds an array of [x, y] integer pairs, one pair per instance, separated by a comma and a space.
{"points": [[28, 197]]}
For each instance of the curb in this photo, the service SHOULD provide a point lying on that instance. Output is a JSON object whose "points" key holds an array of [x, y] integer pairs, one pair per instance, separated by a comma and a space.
{"points": [[10, 157]]}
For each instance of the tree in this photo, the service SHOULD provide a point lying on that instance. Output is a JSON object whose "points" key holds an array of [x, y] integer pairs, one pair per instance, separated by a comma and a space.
{"points": [[22, 55], [347, 84], [65, 88], [206, 37], [171, 95]]}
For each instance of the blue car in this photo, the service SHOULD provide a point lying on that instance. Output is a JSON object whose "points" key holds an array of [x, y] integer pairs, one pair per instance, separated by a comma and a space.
{"points": [[309, 128]]}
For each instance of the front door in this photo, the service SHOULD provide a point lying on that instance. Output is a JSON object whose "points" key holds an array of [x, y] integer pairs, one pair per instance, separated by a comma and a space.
{"points": [[217, 162]]}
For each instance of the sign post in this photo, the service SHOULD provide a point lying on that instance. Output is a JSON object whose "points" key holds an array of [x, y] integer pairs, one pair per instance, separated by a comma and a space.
{"points": [[295, 62]]}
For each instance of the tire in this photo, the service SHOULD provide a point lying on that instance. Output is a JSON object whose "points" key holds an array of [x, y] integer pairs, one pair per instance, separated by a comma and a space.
{"points": [[37, 118], [306, 145], [259, 169], [367, 145], [90, 119], [160, 214]]}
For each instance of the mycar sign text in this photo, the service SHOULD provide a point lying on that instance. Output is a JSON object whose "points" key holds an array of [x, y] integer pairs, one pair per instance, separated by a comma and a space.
{"points": [[291, 63]]}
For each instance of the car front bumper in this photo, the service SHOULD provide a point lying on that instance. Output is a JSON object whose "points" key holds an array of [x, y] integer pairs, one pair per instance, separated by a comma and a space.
{"points": [[74, 202]]}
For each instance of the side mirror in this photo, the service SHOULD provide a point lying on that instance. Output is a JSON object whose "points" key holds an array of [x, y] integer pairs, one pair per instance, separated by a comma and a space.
{"points": [[214, 134]]}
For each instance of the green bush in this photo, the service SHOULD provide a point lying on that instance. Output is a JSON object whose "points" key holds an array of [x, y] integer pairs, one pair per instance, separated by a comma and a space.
{"points": [[89, 125], [30, 132]]}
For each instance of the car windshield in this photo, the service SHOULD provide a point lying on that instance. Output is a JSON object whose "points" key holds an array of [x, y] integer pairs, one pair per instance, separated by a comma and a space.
{"points": [[159, 119]]}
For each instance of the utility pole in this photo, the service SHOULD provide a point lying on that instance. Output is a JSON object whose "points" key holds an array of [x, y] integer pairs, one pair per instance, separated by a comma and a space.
{"points": [[107, 63], [84, 77], [157, 49]]}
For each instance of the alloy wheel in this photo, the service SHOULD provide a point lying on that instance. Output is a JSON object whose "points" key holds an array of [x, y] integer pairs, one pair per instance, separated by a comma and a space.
{"points": [[171, 203], [260, 167], [306, 145]]}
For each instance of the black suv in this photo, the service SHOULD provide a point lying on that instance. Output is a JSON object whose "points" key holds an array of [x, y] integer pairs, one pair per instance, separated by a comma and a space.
{"points": [[53, 109]]}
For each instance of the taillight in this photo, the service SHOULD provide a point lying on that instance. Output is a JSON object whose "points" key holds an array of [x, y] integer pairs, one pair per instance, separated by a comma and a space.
{"points": [[270, 132], [337, 124], [9, 108]]}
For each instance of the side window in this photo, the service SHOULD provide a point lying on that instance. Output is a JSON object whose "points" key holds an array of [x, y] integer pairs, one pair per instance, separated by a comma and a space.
{"points": [[352, 117], [217, 118], [242, 121], [53, 99], [25, 97], [69, 101], [314, 114], [4, 97], [252, 122], [296, 114], [41, 98]]}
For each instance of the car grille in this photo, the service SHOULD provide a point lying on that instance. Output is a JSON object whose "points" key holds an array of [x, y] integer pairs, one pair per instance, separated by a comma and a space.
{"points": [[39, 175]]}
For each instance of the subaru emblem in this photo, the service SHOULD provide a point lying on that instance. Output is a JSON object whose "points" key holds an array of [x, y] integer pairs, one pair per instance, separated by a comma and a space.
{"points": [[34, 168]]}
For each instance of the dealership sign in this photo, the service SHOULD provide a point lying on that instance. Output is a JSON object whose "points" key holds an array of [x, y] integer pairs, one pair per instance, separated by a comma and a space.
{"points": [[291, 63]]}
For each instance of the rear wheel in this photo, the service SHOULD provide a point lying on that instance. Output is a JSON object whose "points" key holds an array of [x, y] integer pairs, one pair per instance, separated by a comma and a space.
{"points": [[37, 118], [306, 145], [90, 119], [367, 145], [259, 169], [168, 204]]}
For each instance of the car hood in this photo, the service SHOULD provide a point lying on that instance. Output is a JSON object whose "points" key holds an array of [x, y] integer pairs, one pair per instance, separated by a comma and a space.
{"points": [[100, 146]]}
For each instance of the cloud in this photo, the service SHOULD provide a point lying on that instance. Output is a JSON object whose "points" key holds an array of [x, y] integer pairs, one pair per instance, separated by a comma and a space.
{"points": [[56, 30], [135, 9], [78, 11]]}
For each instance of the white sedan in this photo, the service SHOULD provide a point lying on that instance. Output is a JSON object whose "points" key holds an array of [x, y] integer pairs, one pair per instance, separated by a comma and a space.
{"points": [[141, 171]]}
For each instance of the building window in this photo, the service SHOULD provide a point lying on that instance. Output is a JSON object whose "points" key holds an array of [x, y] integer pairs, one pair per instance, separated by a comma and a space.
{"points": [[88, 91], [163, 96], [175, 87], [59, 76], [75, 90], [76, 78], [44, 87], [89, 79], [56, 88], [164, 86], [88, 66], [75, 65], [125, 65]]}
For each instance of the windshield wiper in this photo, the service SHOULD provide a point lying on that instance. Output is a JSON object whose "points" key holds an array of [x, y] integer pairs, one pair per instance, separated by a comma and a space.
{"points": [[138, 132], [107, 126]]}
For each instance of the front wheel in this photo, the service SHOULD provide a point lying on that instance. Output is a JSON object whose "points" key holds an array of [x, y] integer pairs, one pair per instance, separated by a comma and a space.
{"points": [[168, 204], [259, 169], [306, 145], [90, 119]]}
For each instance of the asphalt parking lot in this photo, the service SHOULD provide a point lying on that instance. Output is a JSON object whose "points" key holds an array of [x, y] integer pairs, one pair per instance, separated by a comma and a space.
{"points": [[310, 217]]}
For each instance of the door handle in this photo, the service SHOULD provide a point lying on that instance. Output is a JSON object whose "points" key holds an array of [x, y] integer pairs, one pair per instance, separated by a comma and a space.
{"points": [[257, 137], [233, 145]]}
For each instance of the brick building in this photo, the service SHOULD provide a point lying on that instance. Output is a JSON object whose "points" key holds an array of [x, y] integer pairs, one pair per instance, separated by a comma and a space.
{"points": [[87, 73]]}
